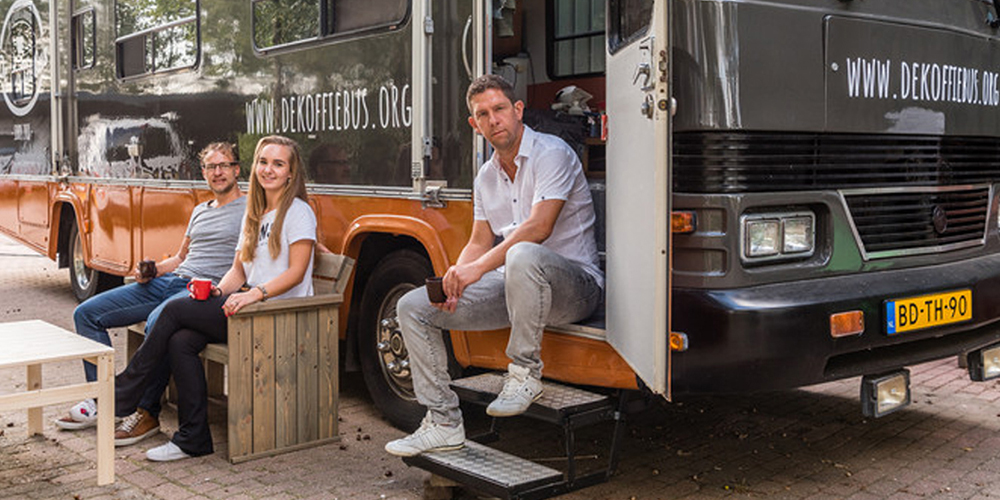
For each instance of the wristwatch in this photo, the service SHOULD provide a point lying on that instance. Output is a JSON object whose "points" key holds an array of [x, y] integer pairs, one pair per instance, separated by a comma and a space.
{"points": [[263, 292]]}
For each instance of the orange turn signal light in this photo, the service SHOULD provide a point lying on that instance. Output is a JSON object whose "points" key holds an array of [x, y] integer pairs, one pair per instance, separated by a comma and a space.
{"points": [[847, 323], [678, 341], [682, 222]]}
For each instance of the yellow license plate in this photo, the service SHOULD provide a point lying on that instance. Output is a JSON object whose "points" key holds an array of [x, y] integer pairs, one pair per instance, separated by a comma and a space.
{"points": [[926, 311]]}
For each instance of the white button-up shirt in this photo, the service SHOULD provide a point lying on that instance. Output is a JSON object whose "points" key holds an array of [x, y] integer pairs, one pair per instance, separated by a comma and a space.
{"points": [[547, 169]]}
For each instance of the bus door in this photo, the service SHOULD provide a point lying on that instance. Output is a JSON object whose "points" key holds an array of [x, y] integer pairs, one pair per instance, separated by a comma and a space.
{"points": [[449, 50], [638, 188]]}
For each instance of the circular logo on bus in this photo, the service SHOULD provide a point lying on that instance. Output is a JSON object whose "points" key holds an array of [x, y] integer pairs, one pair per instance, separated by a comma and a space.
{"points": [[22, 56]]}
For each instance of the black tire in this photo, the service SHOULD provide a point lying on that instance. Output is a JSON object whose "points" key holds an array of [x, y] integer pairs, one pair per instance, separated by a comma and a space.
{"points": [[84, 281], [384, 359]]}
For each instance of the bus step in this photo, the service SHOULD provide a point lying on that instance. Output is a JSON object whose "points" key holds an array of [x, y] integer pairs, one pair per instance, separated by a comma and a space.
{"points": [[559, 404], [487, 470]]}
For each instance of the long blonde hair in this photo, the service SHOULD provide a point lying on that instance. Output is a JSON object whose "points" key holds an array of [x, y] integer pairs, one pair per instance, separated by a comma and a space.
{"points": [[257, 202]]}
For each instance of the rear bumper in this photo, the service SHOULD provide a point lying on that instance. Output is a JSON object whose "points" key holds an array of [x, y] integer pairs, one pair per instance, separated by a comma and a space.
{"points": [[778, 336]]}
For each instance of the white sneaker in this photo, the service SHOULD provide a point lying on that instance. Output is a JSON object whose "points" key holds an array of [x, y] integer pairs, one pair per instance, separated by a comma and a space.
{"points": [[166, 453], [429, 437], [519, 391], [81, 416]]}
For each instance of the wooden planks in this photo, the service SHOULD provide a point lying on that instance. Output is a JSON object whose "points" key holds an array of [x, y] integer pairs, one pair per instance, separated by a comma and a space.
{"points": [[31, 343], [328, 363], [287, 357], [240, 386], [285, 381], [282, 357]]}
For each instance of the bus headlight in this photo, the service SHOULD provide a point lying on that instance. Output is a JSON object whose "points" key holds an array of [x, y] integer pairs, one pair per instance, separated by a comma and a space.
{"points": [[773, 236], [763, 237], [797, 234]]}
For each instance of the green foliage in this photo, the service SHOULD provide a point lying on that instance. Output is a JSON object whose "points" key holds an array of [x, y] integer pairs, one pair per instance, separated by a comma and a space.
{"points": [[278, 22], [138, 15]]}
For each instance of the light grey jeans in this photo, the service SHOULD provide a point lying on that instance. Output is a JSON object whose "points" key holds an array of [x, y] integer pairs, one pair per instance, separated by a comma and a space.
{"points": [[537, 287]]}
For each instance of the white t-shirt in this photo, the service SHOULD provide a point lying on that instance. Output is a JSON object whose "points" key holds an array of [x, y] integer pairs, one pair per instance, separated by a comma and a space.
{"points": [[300, 224], [547, 169]]}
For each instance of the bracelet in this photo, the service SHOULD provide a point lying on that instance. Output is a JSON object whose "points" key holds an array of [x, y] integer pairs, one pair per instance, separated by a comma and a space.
{"points": [[263, 292]]}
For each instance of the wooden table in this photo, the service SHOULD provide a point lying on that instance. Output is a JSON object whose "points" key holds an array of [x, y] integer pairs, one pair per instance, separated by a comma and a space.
{"points": [[31, 343]]}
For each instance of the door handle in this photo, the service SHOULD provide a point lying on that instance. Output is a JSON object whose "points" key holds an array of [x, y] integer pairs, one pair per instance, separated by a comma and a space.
{"points": [[643, 70], [646, 108], [465, 48]]}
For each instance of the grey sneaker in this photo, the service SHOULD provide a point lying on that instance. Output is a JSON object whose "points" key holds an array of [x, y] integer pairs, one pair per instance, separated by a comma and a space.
{"points": [[429, 437], [519, 391]]}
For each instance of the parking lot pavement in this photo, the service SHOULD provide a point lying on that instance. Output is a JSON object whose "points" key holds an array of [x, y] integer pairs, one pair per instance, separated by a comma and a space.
{"points": [[804, 444]]}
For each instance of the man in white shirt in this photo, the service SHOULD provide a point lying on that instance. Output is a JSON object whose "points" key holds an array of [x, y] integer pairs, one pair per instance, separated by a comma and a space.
{"points": [[533, 195]]}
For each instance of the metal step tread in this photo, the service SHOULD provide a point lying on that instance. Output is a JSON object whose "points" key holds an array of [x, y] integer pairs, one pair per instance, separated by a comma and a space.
{"points": [[557, 400], [489, 469]]}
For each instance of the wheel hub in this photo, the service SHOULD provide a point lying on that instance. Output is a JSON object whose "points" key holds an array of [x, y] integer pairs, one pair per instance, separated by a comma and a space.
{"points": [[393, 356], [81, 272]]}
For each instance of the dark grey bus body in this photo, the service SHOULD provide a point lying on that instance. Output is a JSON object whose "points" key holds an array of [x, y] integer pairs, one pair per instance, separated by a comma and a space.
{"points": [[877, 117], [871, 115]]}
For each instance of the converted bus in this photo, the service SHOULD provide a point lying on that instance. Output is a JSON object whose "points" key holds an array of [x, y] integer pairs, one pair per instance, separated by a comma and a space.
{"points": [[789, 191]]}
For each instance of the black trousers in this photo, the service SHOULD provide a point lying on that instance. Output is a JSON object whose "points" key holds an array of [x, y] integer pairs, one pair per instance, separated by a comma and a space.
{"points": [[183, 330]]}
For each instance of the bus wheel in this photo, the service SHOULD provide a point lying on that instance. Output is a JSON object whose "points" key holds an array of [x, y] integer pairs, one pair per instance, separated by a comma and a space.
{"points": [[86, 282], [384, 359]]}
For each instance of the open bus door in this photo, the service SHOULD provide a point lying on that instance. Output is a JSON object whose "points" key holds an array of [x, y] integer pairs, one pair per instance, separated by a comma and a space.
{"points": [[638, 188]]}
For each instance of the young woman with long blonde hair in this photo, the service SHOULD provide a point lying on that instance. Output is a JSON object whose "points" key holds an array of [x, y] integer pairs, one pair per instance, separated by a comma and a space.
{"points": [[274, 258]]}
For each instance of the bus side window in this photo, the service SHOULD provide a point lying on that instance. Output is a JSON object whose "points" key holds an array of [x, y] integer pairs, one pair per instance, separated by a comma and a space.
{"points": [[281, 22], [278, 23], [148, 43], [84, 42], [351, 15], [629, 21]]}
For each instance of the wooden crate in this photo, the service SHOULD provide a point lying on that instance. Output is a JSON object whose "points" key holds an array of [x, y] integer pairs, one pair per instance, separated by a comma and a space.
{"points": [[283, 369]]}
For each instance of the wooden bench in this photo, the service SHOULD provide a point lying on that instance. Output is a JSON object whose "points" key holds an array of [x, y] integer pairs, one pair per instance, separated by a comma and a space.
{"points": [[282, 360]]}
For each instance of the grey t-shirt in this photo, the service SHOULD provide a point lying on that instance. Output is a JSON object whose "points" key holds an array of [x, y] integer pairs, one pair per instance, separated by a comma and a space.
{"points": [[214, 232]]}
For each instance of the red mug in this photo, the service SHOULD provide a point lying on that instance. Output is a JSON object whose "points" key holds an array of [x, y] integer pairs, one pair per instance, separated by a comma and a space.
{"points": [[200, 288]]}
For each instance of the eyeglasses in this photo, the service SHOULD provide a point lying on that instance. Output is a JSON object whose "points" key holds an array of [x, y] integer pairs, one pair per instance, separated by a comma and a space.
{"points": [[217, 166]]}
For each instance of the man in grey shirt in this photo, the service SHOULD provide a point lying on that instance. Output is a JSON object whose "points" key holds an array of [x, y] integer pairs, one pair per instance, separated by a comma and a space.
{"points": [[206, 251]]}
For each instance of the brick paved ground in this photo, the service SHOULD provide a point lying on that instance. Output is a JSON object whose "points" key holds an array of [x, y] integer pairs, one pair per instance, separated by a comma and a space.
{"points": [[806, 444]]}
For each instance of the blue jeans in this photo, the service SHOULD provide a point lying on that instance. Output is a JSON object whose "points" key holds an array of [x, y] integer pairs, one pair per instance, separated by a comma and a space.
{"points": [[537, 287], [124, 306]]}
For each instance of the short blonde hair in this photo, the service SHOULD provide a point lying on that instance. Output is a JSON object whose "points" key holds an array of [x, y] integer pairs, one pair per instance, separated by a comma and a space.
{"points": [[226, 148]]}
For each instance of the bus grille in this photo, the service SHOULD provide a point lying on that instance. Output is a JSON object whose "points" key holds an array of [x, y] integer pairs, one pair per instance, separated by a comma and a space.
{"points": [[919, 220], [722, 162]]}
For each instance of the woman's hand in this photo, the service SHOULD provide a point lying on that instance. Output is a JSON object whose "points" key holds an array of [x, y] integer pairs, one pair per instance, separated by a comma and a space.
{"points": [[239, 300]]}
